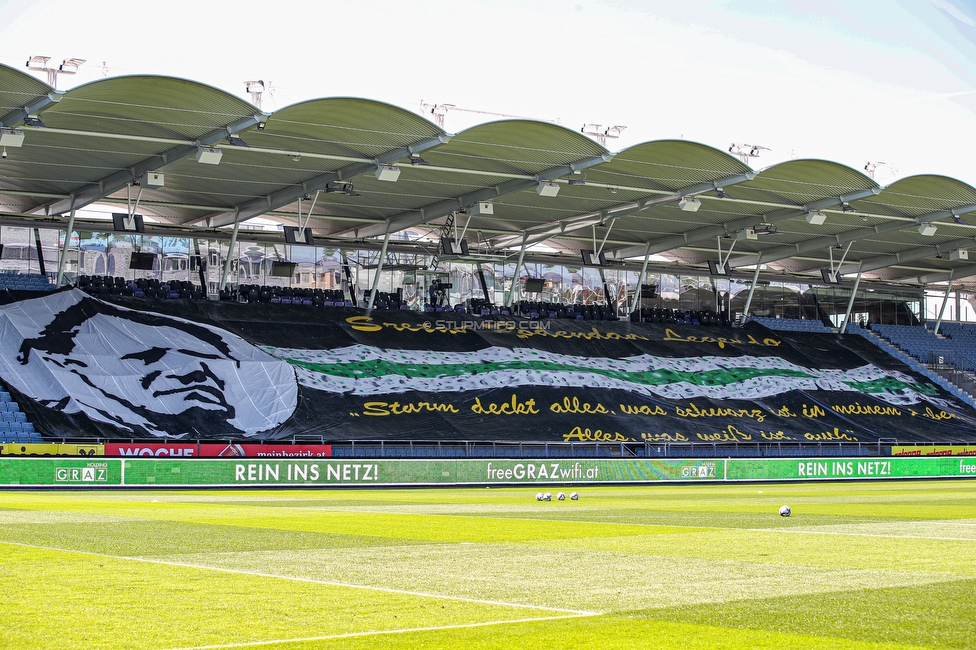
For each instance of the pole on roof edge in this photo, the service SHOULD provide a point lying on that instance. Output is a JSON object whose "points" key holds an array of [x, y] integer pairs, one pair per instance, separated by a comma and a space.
{"points": [[640, 279], [230, 255], [379, 268], [64, 249], [752, 290], [518, 267], [945, 300], [850, 303]]}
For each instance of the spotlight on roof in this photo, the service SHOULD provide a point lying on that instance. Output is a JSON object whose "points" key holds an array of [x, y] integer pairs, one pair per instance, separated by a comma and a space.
{"points": [[341, 187], [33, 120], [577, 181], [722, 194], [209, 155], [959, 255], [846, 207], [387, 173], [547, 188], [11, 137], [816, 218], [481, 208], [236, 141], [417, 160], [689, 203], [927, 229]]}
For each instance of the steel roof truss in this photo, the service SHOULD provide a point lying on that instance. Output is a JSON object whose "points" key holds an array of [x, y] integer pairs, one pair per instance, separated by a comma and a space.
{"points": [[116, 181], [289, 194], [443, 208], [18, 115], [917, 253], [553, 229], [819, 243]]}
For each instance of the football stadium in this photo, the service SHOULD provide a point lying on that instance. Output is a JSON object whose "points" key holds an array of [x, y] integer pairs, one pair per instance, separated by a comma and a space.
{"points": [[333, 376]]}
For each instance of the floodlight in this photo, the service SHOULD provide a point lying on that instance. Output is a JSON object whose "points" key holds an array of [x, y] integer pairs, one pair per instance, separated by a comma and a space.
{"points": [[209, 155], [722, 194], [959, 255], [577, 181], [155, 179], [747, 234], [236, 141], [689, 203], [417, 160], [715, 269], [816, 218], [11, 137], [592, 259], [547, 188], [830, 277], [481, 208], [387, 173], [33, 120], [927, 229]]}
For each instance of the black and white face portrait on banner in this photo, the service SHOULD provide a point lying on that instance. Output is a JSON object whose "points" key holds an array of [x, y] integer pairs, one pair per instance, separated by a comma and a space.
{"points": [[144, 373]]}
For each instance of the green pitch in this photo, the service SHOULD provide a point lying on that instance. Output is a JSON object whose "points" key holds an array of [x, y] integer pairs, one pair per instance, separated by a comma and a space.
{"points": [[866, 565]]}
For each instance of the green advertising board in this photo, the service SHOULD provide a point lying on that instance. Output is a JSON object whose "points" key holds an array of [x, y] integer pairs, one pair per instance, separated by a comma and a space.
{"points": [[825, 469], [414, 472], [151, 472], [60, 472]]}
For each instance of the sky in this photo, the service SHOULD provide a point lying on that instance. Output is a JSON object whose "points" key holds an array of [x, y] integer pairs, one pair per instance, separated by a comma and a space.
{"points": [[852, 81]]}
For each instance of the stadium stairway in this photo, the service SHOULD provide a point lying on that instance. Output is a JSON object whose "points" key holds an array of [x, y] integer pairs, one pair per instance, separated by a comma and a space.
{"points": [[913, 363]]}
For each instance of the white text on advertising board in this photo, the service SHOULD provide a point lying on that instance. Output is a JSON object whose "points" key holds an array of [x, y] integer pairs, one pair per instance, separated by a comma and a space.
{"points": [[272, 472], [93, 473], [845, 468]]}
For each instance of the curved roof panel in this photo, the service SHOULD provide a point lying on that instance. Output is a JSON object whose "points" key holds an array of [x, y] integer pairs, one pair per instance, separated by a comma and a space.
{"points": [[343, 126], [671, 197], [147, 106], [666, 165], [515, 147]]}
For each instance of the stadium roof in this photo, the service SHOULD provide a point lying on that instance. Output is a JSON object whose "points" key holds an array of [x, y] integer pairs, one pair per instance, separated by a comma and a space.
{"points": [[546, 184]]}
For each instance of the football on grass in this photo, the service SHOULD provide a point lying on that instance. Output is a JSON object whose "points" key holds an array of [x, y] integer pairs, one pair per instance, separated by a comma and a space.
{"points": [[785, 511]]}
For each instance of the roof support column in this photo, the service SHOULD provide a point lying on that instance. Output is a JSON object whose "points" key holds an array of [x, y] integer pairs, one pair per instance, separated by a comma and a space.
{"points": [[518, 267], [640, 280], [379, 268], [484, 284], [945, 300], [752, 290], [850, 303], [230, 255], [611, 302], [64, 249]]}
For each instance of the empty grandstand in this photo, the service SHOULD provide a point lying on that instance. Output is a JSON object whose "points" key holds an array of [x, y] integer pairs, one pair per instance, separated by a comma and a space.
{"points": [[514, 289]]}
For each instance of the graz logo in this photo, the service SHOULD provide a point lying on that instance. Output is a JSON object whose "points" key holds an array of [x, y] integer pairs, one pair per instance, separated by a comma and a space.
{"points": [[94, 474], [705, 470]]}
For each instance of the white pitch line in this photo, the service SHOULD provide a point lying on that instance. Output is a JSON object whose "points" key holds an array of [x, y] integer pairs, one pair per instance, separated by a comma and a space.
{"points": [[350, 635], [329, 583], [835, 532]]}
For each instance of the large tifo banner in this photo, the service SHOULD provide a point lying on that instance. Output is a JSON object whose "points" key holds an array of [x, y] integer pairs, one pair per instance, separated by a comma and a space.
{"points": [[254, 472], [198, 370]]}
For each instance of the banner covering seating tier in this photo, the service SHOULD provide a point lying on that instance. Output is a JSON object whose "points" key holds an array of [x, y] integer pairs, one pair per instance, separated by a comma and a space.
{"points": [[193, 370]]}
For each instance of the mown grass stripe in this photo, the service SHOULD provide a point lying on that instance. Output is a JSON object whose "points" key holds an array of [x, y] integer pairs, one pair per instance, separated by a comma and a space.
{"points": [[328, 583], [350, 635]]}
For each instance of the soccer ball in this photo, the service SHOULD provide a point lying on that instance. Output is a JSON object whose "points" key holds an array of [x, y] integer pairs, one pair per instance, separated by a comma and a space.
{"points": [[538, 496], [574, 496], [561, 496], [547, 496], [785, 511]]}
